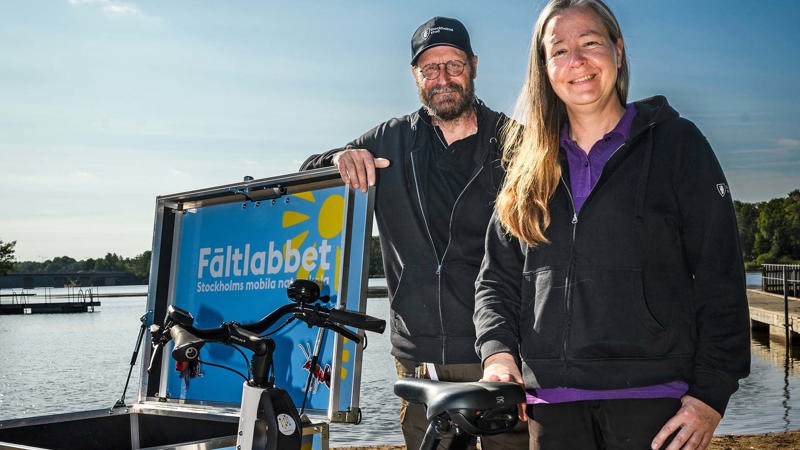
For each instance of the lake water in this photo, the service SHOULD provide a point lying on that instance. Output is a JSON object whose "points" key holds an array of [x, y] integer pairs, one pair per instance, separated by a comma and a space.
{"points": [[57, 363]]}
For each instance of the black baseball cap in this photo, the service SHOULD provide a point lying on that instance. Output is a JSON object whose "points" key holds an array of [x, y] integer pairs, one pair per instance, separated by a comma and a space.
{"points": [[440, 31]]}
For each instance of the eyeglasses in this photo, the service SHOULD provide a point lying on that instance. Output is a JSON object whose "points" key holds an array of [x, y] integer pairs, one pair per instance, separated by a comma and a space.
{"points": [[453, 68]]}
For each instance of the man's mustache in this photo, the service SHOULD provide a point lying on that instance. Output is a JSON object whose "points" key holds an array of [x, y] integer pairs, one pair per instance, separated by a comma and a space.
{"points": [[450, 87]]}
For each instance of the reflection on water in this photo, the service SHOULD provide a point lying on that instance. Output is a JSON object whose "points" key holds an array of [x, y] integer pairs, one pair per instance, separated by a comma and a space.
{"points": [[767, 400]]}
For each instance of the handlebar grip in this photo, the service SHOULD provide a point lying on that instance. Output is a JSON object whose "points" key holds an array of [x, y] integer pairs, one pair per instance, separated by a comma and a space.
{"points": [[187, 346], [357, 320]]}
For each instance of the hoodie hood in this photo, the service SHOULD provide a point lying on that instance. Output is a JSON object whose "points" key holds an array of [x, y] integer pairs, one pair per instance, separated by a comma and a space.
{"points": [[650, 112]]}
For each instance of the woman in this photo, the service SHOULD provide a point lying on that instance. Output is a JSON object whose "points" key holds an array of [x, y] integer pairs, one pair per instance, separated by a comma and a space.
{"points": [[612, 274]]}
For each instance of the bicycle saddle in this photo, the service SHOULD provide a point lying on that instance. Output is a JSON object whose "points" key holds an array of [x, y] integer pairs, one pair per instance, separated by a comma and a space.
{"points": [[478, 407]]}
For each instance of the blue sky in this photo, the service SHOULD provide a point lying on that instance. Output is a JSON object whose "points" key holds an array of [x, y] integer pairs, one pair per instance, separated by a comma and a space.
{"points": [[107, 104]]}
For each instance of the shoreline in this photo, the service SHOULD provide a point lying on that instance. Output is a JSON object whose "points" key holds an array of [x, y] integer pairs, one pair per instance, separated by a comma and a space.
{"points": [[781, 440]]}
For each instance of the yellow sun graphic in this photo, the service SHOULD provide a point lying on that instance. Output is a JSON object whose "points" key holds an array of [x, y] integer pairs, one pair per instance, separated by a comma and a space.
{"points": [[329, 225]]}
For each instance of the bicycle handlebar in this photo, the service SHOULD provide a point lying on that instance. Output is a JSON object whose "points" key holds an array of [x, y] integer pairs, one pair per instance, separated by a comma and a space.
{"points": [[357, 320], [188, 340]]}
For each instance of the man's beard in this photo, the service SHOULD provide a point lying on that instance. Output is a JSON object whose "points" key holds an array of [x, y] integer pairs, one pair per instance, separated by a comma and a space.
{"points": [[448, 110]]}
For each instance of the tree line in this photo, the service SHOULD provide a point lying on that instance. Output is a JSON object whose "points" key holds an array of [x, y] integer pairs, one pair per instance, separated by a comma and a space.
{"points": [[770, 231], [137, 266]]}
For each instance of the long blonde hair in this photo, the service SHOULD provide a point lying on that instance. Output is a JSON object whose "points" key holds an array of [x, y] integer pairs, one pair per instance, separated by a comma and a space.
{"points": [[531, 143]]}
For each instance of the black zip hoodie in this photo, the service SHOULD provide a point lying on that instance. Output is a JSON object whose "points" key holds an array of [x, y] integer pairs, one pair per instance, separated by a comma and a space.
{"points": [[432, 298], [644, 286]]}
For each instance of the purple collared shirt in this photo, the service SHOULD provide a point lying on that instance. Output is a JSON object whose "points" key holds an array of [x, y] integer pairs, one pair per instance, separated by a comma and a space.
{"points": [[584, 170]]}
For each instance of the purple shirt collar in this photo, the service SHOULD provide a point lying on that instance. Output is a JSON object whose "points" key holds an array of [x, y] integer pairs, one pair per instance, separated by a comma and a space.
{"points": [[622, 129], [585, 169]]}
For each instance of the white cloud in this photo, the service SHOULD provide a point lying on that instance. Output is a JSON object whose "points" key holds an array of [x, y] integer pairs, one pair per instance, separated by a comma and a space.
{"points": [[121, 9], [178, 173], [112, 8], [82, 176]]}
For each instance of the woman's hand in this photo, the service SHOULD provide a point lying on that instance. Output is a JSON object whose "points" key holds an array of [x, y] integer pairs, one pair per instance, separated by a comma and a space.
{"points": [[696, 422], [503, 367]]}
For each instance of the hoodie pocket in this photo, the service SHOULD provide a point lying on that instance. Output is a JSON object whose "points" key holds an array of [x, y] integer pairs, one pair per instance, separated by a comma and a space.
{"points": [[414, 304], [611, 317], [543, 313]]}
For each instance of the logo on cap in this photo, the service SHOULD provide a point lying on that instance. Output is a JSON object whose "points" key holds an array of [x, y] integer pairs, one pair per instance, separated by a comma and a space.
{"points": [[723, 189], [429, 31], [440, 31]]}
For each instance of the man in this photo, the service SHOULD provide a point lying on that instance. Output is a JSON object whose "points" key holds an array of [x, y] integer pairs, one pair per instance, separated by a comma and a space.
{"points": [[439, 175]]}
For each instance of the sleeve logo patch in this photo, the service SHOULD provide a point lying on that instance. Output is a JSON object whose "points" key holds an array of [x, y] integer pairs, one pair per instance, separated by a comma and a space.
{"points": [[722, 189]]}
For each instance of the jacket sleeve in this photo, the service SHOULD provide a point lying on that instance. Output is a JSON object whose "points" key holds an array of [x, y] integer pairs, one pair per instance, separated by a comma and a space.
{"points": [[712, 249], [320, 160], [497, 296], [369, 140]]}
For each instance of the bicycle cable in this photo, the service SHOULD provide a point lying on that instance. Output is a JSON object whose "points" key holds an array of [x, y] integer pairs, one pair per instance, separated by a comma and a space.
{"points": [[280, 327], [246, 361], [224, 367]]}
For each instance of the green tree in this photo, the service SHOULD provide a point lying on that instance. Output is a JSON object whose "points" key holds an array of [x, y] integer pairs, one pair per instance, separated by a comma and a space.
{"points": [[770, 236], [61, 264], [7, 256], [139, 266], [87, 264], [777, 234], [746, 217], [110, 263], [26, 266], [791, 209]]}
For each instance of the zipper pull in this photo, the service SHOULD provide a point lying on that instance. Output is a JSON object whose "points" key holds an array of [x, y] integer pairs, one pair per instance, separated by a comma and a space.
{"points": [[438, 270], [574, 218]]}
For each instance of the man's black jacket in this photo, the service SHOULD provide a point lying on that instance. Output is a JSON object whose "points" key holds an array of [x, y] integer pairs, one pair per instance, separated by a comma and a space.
{"points": [[432, 298]]}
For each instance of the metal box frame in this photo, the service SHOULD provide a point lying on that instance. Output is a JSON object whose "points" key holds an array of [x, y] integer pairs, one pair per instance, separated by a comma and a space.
{"points": [[159, 420]]}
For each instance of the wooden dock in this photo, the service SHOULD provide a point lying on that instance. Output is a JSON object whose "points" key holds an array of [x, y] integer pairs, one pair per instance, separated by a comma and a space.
{"points": [[49, 308], [27, 302], [767, 313]]}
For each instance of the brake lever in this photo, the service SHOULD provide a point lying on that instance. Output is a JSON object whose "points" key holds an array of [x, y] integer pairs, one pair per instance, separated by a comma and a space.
{"points": [[342, 331], [157, 335], [156, 352]]}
